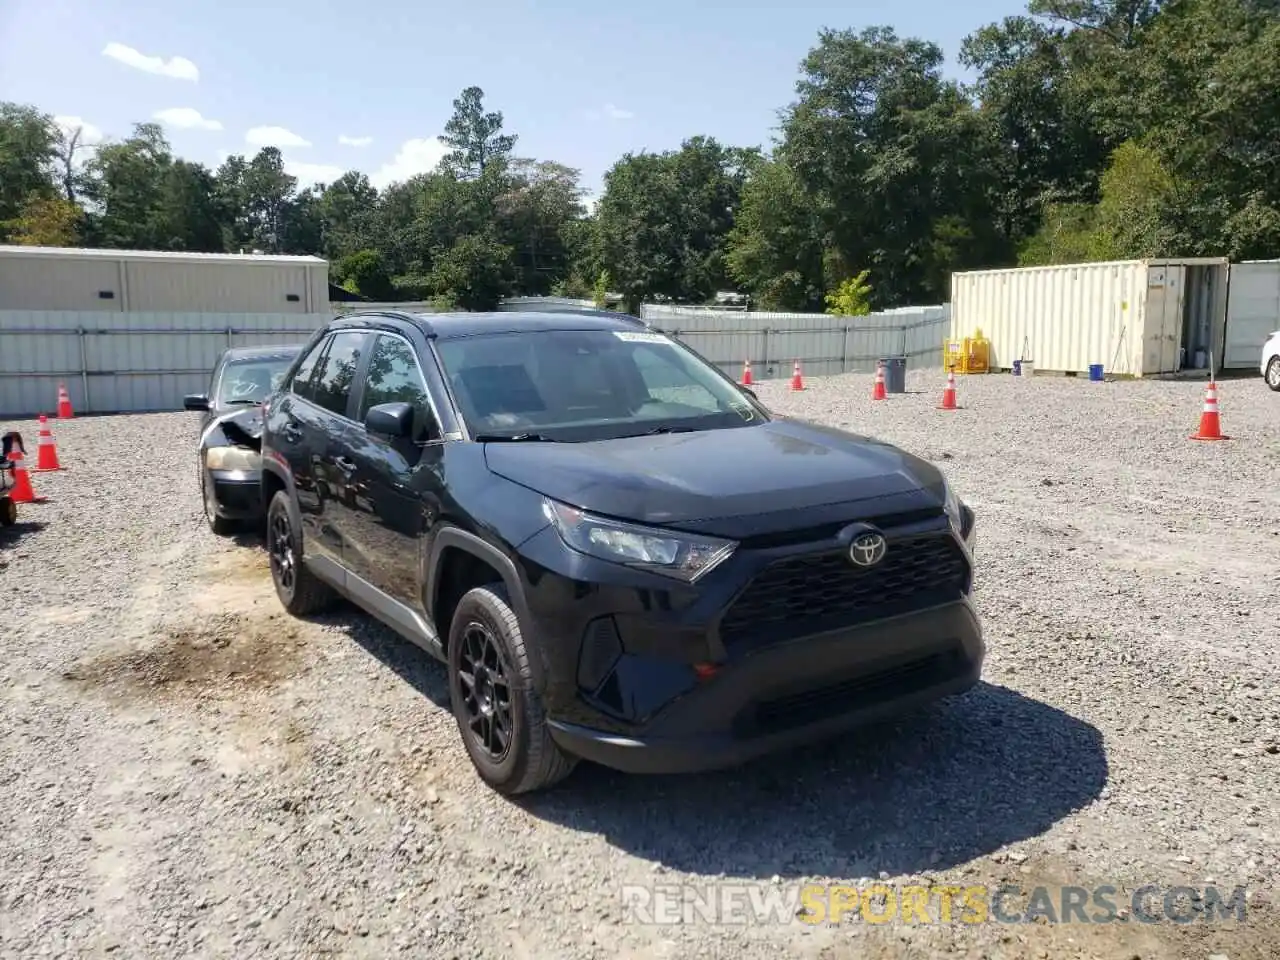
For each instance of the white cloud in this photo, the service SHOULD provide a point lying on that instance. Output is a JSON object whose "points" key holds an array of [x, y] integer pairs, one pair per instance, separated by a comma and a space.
{"points": [[274, 137], [89, 134], [309, 174], [185, 118], [354, 141], [179, 68], [610, 112], [413, 157]]}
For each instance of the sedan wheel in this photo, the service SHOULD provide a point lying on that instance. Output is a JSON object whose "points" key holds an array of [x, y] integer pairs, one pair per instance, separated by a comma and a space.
{"points": [[219, 525], [1273, 374]]}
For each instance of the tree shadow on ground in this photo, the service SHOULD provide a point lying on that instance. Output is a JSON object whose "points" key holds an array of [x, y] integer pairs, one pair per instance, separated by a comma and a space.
{"points": [[959, 780]]}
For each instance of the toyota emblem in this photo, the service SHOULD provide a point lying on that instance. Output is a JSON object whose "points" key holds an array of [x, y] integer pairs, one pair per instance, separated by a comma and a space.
{"points": [[867, 549]]}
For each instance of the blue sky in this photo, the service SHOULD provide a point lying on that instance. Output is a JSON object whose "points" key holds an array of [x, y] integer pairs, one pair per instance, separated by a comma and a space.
{"points": [[370, 85]]}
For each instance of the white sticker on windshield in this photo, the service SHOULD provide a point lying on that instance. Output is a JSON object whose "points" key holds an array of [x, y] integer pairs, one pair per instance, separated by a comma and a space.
{"points": [[633, 337]]}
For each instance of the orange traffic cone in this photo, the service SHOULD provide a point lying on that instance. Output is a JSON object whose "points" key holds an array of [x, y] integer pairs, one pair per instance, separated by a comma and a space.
{"points": [[949, 393], [878, 392], [1210, 420], [797, 382], [22, 491], [46, 449], [746, 374], [64, 403]]}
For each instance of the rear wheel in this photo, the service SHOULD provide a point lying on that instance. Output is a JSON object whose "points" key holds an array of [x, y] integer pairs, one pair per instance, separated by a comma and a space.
{"points": [[8, 512], [300, 591], [1273, 373], [498, 711]]}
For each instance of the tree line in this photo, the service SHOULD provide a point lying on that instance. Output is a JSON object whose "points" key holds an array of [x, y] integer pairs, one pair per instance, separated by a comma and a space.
{"points": [[1092, 130]]}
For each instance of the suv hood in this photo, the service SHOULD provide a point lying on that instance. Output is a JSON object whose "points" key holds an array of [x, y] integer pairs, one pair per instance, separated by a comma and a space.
{"points": [[779, 466]]}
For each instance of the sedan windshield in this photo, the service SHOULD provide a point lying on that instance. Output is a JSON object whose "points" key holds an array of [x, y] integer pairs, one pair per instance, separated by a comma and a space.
{"points": [[574, 385], [251, 380]]}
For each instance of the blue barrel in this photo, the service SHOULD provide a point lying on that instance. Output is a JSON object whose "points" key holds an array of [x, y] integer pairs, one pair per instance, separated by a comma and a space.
{"points": [[1095, 372], [1017, 368]]}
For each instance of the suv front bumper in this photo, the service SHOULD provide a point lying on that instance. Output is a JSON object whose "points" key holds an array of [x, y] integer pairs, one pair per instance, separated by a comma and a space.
{"points": [[802, 691]]}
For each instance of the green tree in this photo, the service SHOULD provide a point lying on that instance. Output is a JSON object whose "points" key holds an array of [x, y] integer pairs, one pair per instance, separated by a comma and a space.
{"points": [[475, 273], [365, 273], [475, 136], [852, 298], [28, 150]]}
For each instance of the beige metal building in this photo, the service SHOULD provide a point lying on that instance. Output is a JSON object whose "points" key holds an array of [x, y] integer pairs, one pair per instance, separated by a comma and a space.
{"points": [[146, 281]]}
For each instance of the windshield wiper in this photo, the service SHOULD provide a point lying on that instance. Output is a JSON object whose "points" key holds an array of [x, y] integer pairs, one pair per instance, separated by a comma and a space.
{"points": [[234, 403], [656, 430], [513, 438]]}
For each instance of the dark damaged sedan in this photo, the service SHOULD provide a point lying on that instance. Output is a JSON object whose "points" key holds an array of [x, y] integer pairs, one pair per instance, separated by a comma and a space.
{"points": [[231, 432]]}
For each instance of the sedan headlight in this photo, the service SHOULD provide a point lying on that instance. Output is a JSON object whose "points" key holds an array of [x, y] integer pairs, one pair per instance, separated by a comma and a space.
{"points": [[232, 458], [684, 556]]}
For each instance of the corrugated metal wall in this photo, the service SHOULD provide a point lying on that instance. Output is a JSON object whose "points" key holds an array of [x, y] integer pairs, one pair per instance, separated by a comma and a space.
{"points": [[823, 344], [1253, 312], [113, 363], [146, 282]]}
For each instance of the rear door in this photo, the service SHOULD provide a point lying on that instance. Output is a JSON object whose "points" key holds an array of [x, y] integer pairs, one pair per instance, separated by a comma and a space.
{"points": [[292, 444], [328, 432]]}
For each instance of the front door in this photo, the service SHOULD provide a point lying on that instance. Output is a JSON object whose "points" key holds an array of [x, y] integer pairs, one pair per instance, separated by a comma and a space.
{"points": [[397, 481]]}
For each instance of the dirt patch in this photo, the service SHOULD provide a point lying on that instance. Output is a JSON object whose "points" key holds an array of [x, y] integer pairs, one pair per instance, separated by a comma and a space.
{"points": [[218, 656]]}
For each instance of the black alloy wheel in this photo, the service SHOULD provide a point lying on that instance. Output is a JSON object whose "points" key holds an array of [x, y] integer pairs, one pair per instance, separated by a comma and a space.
{"points": [[486, 693]]}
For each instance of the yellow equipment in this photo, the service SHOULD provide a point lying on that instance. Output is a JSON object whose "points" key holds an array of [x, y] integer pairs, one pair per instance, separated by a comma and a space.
{"points": [[970, 355]]}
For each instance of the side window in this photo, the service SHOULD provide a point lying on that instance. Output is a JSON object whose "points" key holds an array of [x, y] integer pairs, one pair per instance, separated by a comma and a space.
{"points": [[394, 377], [301, 382], [667, 382], [333, 379]]}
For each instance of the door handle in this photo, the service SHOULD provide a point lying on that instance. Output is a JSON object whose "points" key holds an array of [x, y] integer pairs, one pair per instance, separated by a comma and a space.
{"points": [[345, 465]]}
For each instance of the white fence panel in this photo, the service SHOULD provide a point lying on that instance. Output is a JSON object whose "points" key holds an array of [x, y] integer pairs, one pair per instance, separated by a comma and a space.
{"points": [[124, 362], [822, 343]]}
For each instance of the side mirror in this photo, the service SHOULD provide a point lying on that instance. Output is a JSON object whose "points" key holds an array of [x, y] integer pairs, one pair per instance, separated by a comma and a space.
{"points": [[394, 420], [195, 401]]}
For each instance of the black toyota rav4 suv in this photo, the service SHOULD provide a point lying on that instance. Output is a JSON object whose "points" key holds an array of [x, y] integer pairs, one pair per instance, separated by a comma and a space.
{"points": [[620, 554]]}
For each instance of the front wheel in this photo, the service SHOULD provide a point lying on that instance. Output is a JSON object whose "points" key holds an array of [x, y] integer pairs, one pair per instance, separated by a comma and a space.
{"points": [[498, 711], [218, 524], [300, 591], [1273, 374], [8, 512]]}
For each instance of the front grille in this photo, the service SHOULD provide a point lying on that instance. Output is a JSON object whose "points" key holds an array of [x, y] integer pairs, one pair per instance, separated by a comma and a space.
{"points": [[813, 706], [816, 592]]}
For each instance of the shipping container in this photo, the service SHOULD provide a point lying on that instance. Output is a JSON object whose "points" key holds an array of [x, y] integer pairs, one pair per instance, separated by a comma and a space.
{"points": [[148, 281], [1253, 312], [1133, 317]]}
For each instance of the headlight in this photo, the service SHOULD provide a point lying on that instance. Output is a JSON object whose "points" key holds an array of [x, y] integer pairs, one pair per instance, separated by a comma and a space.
{"points": [[232, 458], [684, 556], [956, 511]]}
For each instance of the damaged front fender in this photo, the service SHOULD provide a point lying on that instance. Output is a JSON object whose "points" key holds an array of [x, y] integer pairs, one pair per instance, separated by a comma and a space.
{"points": [[240, 428]]}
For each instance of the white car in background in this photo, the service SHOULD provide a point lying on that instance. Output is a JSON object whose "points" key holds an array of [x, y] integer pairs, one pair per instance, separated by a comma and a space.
{"points": [[1271, 361]]}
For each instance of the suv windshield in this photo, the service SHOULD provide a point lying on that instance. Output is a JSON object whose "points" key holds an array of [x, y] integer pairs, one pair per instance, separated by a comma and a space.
{"points": [[588, 385], [252, 379]]}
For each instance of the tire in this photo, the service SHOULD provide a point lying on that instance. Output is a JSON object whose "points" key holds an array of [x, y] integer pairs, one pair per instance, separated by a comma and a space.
{"points": [[531, 760], [302, 593], [8, 512], [221, 526], [1273, 374]]}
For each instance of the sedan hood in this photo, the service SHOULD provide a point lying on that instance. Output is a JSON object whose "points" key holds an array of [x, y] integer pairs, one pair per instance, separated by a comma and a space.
{"points": [[241, 427], [778, 467]]}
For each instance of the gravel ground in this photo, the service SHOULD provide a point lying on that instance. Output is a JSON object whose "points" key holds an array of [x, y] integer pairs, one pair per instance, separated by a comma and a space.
{"points": [[187, 771]]}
